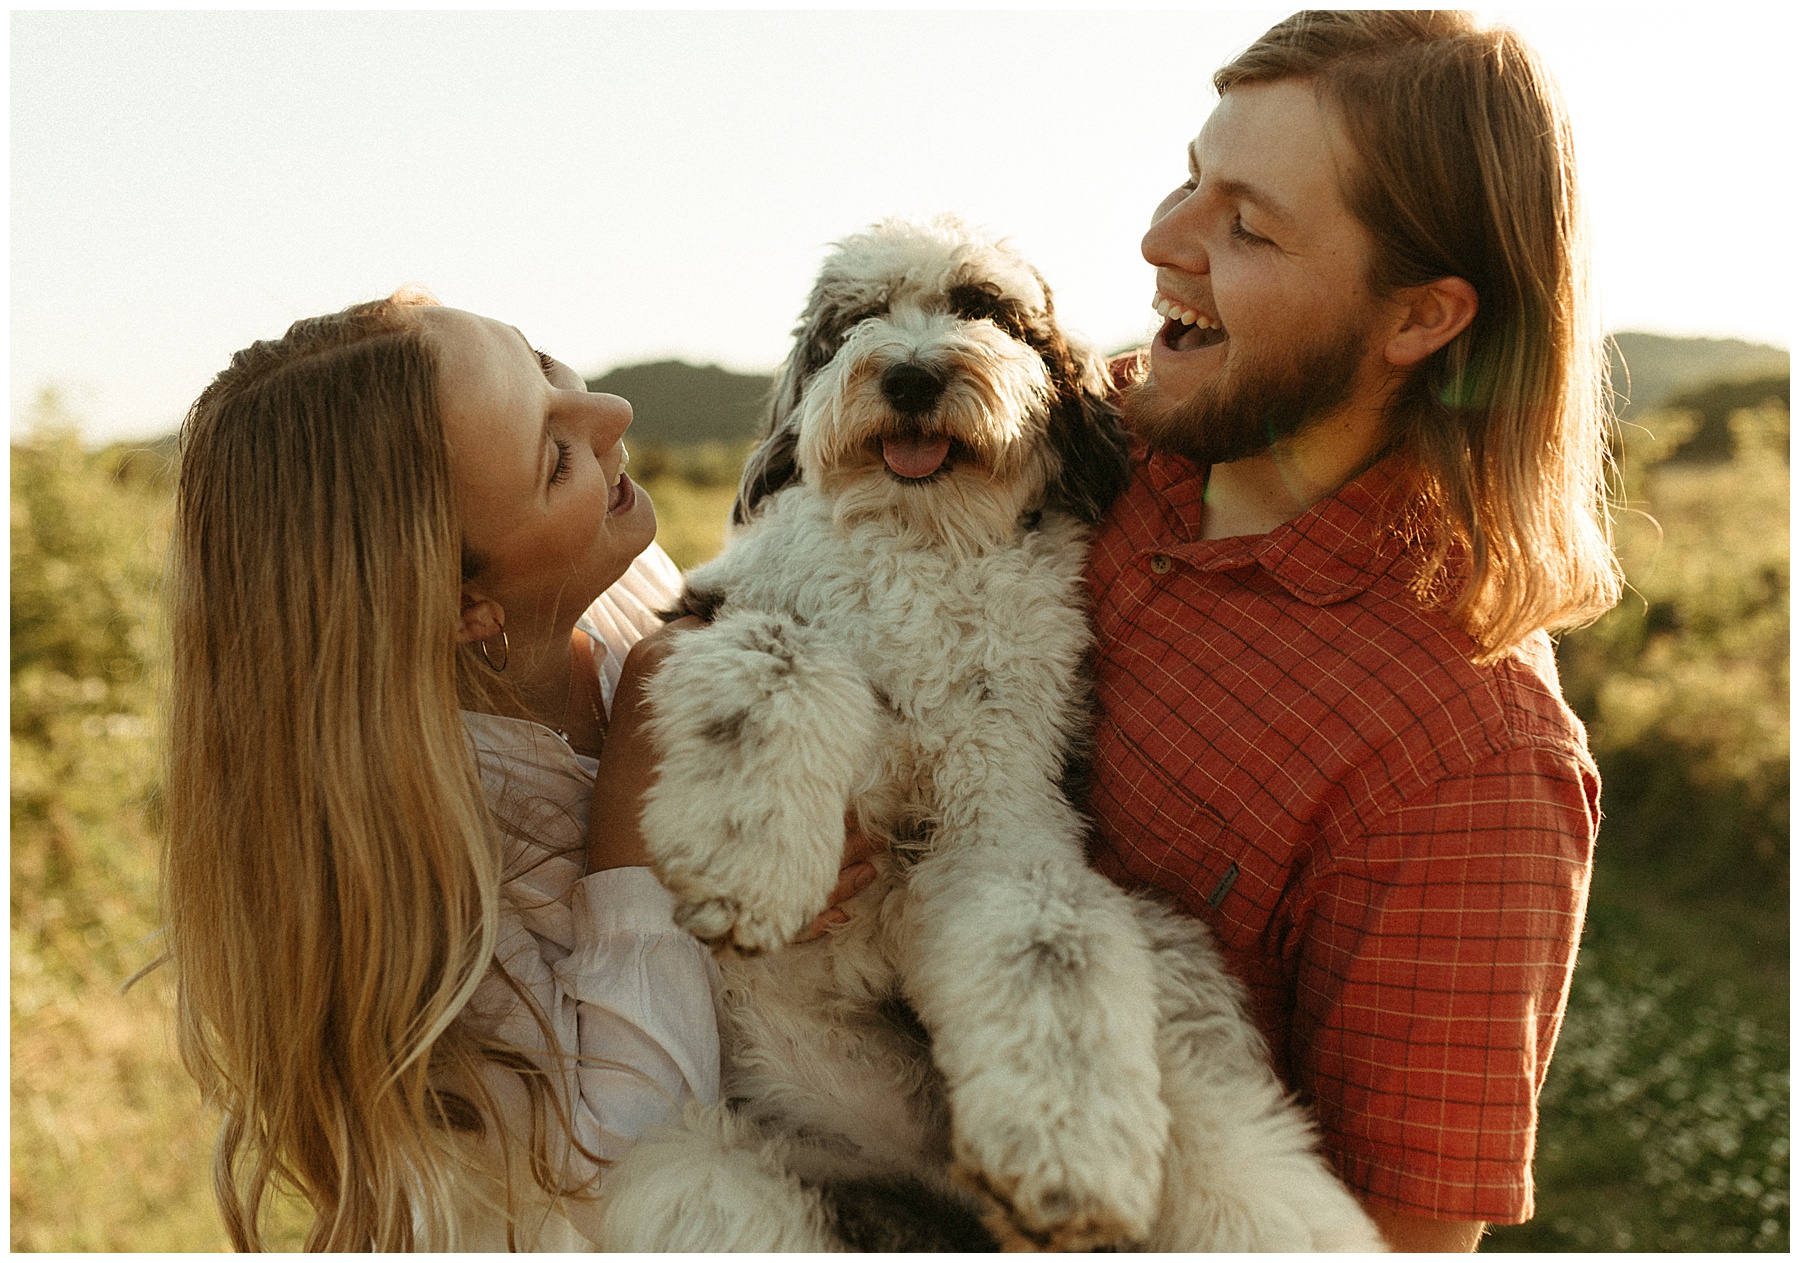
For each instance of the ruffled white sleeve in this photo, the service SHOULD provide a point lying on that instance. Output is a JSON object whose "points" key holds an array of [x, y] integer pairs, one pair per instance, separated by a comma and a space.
{"points": [[628, 611], [630, 1003], [645, 994]]}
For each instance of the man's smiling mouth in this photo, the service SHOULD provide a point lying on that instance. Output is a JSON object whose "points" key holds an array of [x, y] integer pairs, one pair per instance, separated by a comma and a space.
{"points": [[1185, 328]]}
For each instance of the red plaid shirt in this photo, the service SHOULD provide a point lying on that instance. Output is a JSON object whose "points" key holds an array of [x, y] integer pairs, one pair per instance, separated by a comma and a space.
{"points": [[1391, 845]]}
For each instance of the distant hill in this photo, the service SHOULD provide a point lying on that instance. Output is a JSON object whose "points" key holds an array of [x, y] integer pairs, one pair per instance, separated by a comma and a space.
{"points": [[1649, 370], [677, 403]]}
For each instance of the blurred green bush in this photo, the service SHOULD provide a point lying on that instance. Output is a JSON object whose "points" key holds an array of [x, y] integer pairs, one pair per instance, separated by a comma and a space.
{"points": [[109, 1142], [88, 536], [1685, 683]]}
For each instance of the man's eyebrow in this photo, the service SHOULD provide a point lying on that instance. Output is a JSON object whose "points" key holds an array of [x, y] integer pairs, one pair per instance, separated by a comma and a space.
{"points": [[1239, 189], [1244, 192]]}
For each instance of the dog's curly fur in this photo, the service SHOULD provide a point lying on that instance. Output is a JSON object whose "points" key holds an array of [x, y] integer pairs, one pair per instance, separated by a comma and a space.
{"points": [[999, 1047]]}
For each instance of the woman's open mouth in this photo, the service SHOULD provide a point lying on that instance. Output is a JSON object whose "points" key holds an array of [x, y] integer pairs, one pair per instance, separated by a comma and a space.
{"points": [[624, 495]]}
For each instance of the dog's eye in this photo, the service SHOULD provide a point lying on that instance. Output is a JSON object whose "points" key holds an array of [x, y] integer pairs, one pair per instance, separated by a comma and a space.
{"points": [[983, 302], [976, 302], [867, 313]]}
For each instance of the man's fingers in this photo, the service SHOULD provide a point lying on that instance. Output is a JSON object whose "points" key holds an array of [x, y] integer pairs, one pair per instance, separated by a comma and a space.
{"points": [[857, 844], [829, 919], [852, 879]]}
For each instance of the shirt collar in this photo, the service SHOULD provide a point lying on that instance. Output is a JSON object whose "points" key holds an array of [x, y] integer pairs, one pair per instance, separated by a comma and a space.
{"points": [[1329, 553]]}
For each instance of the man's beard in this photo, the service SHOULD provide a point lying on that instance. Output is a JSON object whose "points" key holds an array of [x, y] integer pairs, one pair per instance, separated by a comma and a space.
{"points": [[1250, 406]]}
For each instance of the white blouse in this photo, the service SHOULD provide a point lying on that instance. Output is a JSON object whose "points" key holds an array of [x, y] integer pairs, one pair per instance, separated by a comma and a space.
{"points": [[599, 955]]}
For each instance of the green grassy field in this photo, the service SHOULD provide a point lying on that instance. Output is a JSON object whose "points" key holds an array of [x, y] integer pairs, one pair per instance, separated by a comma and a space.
{"points": [[1665, 1118]]}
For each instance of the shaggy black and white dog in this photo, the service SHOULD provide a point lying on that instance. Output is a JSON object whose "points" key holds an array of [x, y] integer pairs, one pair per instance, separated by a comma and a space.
{"points": [[999, 1047]]}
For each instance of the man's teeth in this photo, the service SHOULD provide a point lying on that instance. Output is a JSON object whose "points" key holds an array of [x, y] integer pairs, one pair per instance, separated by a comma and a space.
{"points": [[1169, 309]]}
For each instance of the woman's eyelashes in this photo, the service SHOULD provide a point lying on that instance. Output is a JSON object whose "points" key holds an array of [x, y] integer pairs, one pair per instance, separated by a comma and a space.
{"points": [[564, 448]]}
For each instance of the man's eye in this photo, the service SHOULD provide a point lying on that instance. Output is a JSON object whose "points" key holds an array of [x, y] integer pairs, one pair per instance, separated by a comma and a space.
{"points": [[546, 363], [563, 450], [1244, 235]]}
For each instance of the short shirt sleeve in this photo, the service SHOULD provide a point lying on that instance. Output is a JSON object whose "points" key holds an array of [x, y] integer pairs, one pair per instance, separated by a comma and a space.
{"points": [[1433, 970]]}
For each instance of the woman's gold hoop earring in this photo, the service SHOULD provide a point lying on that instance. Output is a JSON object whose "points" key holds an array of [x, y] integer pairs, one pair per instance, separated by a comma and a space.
{"points": [[505, 652]]}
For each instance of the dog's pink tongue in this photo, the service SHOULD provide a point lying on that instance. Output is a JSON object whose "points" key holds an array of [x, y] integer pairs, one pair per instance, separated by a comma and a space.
{"points": [[914, 457]]}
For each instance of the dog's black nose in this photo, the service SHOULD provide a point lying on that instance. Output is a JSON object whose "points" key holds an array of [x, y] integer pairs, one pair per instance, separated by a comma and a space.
{"points": [[910, 388]]}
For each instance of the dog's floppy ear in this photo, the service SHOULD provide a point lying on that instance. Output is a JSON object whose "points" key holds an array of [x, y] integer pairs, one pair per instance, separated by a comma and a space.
{"points": [[1092, 449], [775, 462]]}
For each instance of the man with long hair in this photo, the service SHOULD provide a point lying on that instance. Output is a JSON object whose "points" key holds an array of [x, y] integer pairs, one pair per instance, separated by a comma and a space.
{"points": [[1371, 480]]}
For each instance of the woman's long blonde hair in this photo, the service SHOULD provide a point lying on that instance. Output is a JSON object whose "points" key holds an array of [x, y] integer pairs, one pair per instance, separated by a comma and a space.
{"points": [[1465, 166], [332, 872]]}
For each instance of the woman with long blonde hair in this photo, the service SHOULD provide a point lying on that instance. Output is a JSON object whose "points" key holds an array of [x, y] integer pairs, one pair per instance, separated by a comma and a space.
{"points": [[408, 572]]}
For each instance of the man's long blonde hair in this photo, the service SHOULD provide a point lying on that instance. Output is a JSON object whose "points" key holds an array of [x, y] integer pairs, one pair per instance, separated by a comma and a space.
{"points": [[1465, 166], [332, 871]]}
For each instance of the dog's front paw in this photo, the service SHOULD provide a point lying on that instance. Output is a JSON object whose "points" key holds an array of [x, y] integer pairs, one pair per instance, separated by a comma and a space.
{"points": [[765, 727], [721, 921], [1057, 1224], [1067, 1184]]}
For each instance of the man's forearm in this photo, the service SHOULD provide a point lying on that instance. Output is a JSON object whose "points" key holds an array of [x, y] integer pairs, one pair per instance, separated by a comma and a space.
{"points": [[1415, 1234]]}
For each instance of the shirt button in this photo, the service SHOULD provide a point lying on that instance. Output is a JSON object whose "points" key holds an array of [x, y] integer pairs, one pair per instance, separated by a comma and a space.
{"points": [[1160, 563]]}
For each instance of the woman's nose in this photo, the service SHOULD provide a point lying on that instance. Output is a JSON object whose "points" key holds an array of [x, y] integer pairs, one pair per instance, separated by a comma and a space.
{"points": [[609, 416]]}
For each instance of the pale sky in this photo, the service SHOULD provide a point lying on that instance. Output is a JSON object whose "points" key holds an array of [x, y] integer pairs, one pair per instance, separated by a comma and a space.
{"points": [[635, 185]]}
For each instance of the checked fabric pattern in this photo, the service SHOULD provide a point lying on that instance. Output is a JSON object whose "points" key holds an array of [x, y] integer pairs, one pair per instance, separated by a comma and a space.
{"points": [[1391, 845]]}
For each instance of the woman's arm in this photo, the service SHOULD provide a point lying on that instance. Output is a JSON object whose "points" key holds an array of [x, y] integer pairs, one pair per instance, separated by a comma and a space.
{"points": [[628, 759]]}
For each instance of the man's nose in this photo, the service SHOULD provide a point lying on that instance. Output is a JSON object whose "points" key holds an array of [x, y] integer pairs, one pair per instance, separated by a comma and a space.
{"points": [[1174, 239]]}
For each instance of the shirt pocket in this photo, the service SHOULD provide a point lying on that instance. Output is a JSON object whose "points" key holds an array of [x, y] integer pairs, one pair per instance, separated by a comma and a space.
{"points": [[1221, 877]]}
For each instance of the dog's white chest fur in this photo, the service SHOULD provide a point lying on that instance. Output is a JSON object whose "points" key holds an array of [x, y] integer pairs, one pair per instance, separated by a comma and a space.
{"points": [[959, 648]]}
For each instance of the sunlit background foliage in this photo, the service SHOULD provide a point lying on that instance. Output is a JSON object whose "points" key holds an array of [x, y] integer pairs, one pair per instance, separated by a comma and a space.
{"points": [[1664, 1122]]}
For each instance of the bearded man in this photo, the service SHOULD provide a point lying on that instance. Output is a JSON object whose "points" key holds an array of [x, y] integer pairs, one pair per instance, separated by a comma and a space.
{"points": [[1370, 479]]}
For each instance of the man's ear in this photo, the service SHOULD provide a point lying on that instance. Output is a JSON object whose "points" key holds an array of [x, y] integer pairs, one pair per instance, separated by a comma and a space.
{"points": [[481, 618], [1435, 312]]}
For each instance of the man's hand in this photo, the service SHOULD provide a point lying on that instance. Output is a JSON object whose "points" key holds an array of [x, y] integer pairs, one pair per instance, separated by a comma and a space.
{"points": [[1415, 1234], [856, 873]]}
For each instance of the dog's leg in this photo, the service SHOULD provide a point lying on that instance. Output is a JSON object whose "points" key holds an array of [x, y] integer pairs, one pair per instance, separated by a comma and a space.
{"points": [[1035, 981], [714, 1183], [1244, 1171], [765, 730]]}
